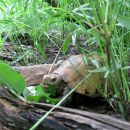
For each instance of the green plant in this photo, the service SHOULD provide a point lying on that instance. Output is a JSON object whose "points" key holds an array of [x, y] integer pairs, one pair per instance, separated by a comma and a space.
{"points": [[32, 17], [102, 20], [103, 23], [16, 84]]}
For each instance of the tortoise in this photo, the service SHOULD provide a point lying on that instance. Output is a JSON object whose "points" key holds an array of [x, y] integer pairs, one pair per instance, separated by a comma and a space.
{"points": [[74, 70]]}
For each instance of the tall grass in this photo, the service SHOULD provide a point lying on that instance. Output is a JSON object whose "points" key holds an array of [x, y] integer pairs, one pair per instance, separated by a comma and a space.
{"points": [[32, 17], [103, 19]]}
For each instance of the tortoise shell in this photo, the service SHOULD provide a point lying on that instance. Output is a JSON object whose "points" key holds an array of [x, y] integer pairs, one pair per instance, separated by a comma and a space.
{"points": [[73, 70]]}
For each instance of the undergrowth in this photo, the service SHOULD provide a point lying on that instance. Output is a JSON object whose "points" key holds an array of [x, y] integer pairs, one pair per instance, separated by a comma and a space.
{"points": [[101, 23]]}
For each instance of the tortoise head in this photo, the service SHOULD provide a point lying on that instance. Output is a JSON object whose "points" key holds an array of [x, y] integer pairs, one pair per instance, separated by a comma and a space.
{"points": [[52, 79]]}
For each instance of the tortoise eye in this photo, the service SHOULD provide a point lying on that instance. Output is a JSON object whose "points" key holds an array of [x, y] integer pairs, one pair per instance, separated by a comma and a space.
{"points": [[53, 79]]}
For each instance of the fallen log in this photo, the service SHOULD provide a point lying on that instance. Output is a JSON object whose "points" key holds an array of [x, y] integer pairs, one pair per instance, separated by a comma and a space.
{"points": [[17, 115]]}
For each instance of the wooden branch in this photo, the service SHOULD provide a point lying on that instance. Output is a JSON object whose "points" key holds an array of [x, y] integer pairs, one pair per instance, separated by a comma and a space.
{"points": [[34, 74], [16, 115]]}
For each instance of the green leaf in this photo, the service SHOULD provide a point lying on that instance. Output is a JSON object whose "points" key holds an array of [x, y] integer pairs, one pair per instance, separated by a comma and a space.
{"points": [[40, 94], [1, 42], [41, 91], [126, 68], [35, 98], [125, 21], [66, 44], [101, 69], [38, 98], [26, 92], [11, 78], [95, 63], [129, 97], [52, 90], [41, 49], [37, 94], [52, 101]]}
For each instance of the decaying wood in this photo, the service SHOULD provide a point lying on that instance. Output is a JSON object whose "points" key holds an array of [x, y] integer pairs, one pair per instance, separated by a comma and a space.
{"points": [[34, 74], [16, 115]]}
